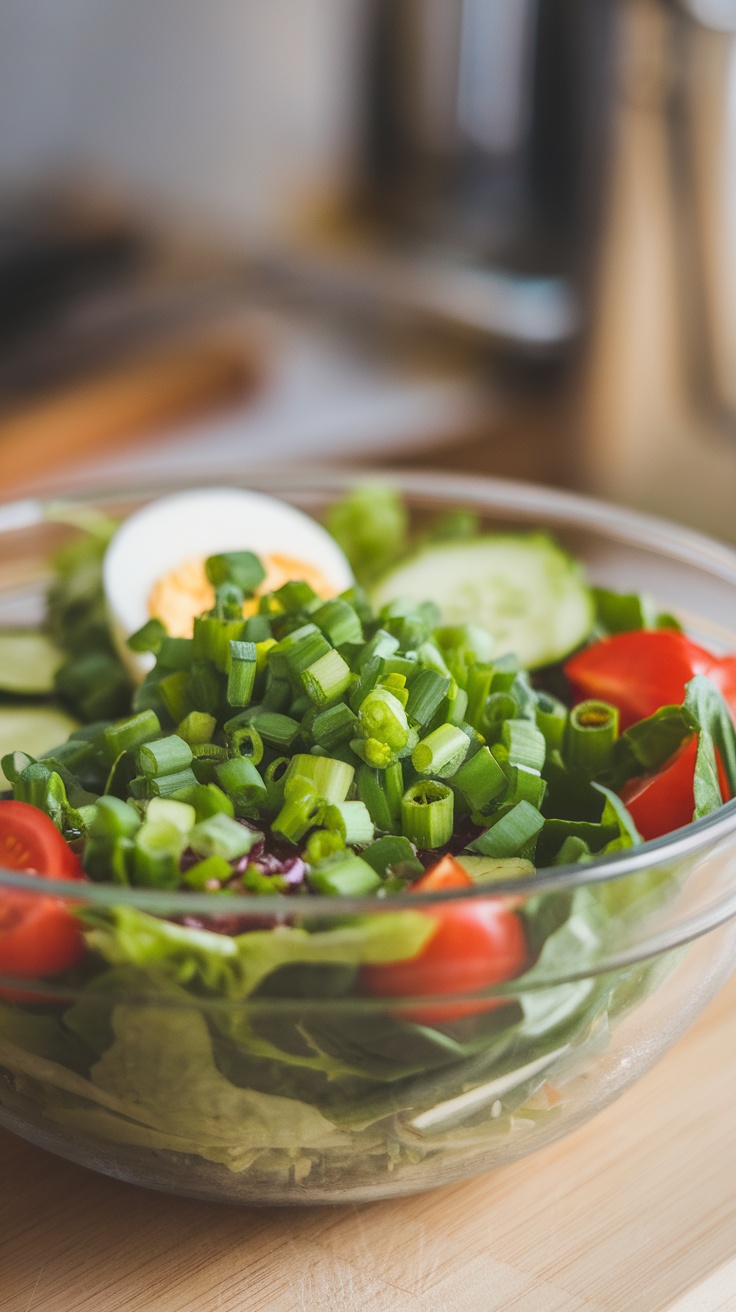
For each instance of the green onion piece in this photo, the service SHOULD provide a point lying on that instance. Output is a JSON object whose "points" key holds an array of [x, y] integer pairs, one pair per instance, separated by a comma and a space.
{"points": [[456, 706], [113, 819], [277, 730], [164, 756], [525, 786], [327, 679], [300, 708], [213, 870], [138, 787], [277, 693], [158, 846], [339, 622], [510, 834], [301, 811], [212, 638], [445, 747], [381, 645], [246, 741], [129, 734], [426, 695], [381, 716], [480, 780], [241, 672], [407, 665], [148, 638], [229, 602], [354, 823], [242, 783], [321, 844], [524, 743], [176, 693], [499, 707], [393, 783], [274, 779], [329, 777], [551, 716], [374, 753], [180, 814], [296, 595], [392, 852], [242, 568], [197, 728], [299, 649], [221, 835], [478, 689], [208, 799], [205, 686], [395, 683], [175, 654], [428, 814], [367, 680], [372, 791], [334, 726], [344, 875], [209, 752], [174, 785], [592, 730], [257, 629]]}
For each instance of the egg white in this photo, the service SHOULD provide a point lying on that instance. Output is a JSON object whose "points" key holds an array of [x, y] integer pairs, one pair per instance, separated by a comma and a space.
{"points": [[159, 537]]}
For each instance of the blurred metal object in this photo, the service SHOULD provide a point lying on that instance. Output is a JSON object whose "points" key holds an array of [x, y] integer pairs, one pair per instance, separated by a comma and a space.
{"points": [[483, 158]]}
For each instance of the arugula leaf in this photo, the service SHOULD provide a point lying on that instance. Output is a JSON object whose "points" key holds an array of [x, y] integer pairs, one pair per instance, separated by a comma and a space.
{"points": [[649, 744], [707, 707]]}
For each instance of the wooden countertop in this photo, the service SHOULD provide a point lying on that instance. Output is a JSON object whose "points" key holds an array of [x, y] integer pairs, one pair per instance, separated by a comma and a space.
{"points": [[636, 1212]]}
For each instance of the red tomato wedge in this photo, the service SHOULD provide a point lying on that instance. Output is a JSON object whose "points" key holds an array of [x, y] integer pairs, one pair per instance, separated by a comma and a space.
{"points": [[475, 945], [639, 672], [38, 935], [665, 801]]}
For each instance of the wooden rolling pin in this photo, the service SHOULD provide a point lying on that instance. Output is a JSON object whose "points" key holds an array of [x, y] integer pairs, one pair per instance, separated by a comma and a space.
{"points": [[117, 408]]}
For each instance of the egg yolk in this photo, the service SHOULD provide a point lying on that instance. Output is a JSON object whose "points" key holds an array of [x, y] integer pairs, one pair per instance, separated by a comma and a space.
{"points": [[185, 592]]}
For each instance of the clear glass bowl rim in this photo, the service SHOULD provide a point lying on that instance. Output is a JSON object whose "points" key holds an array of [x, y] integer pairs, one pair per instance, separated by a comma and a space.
{"points": [[553, 506]]}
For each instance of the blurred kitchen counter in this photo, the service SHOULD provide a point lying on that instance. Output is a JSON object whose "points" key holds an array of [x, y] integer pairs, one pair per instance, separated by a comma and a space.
{"points": [[636, 1212]]}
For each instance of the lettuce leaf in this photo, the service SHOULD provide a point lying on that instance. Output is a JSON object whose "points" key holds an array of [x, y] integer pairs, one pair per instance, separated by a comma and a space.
{"points": [[716, 730]]}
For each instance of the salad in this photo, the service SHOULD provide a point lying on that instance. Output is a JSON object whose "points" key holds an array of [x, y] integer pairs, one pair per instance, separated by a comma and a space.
{"points": [[254, 706]]}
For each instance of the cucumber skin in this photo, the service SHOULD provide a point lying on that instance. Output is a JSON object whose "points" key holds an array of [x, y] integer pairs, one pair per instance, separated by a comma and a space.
{"points": [[431, 558]]}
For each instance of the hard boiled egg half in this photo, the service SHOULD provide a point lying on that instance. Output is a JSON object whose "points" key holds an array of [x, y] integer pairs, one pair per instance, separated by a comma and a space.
{"points": [[155, 563]]}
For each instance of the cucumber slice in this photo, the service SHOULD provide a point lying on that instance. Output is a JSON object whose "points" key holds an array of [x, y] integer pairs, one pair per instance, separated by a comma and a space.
{"points": [[28, 661], [32, 729], [492, 869], [524, 590]]}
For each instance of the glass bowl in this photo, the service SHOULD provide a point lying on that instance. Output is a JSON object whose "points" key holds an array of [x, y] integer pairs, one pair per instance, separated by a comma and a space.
{"points": [[218, 1076]]}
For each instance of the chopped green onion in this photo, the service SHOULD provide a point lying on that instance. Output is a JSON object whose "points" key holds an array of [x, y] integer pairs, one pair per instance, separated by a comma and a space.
{"points": [[207, 873], [334, 726], [330, 778], [148, 638], [551, 716], [354, 822], [301, 811], [175, 654], [511, 833], [524, 743], [180, 814], [573, 851], [246, 741], [382, 717], [372, 791], [181, 783], [326, 679], [277, 693], [158, 846], [113, 819], [428, 814], [480, 780], [175, 691], [257, 629], [212, 638], [205, 686], [242, 783], [381, 645], [478, 689], [299, 649], [443, 750], [277, 730], [221, 835], [129, 734], [344, 875], [242, 568], [241, 672], [391, 852], [197, 728], [321, 844], [426, 695], [229, 602], [592, 730], [208, 799], [274, 779], [296, 595], [374, 753], [525, 785], [164, 756]]}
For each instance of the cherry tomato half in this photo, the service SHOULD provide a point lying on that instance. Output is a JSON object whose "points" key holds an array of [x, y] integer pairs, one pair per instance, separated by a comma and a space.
{"points": [[665, 801], [38, 935], [475, 945], [639, 672]]}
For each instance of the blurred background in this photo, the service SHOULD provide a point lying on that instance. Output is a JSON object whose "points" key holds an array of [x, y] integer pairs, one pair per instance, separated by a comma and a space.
{"points": [[492, 235]]}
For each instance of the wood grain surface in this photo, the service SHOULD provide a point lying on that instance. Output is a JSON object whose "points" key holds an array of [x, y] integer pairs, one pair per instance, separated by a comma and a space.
{"points": [[636, 1212]]}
